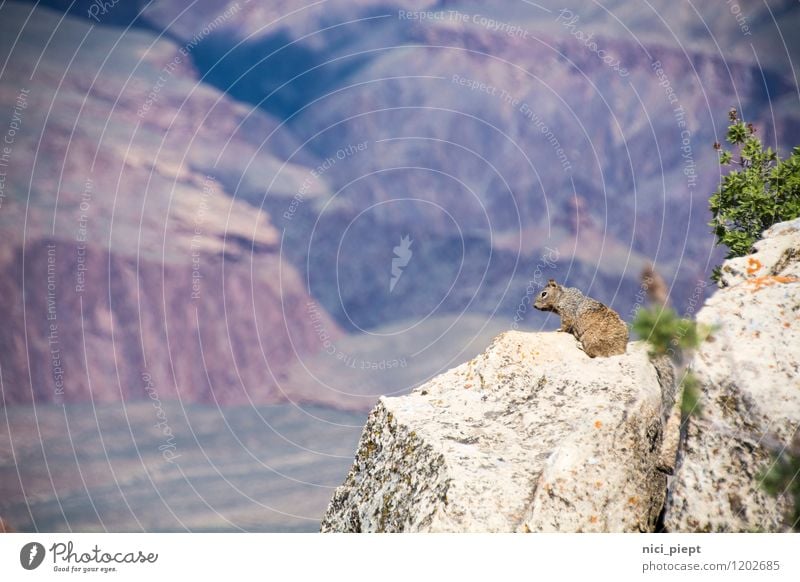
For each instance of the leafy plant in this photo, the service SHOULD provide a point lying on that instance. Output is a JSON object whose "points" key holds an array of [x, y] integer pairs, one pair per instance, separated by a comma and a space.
{"points": [[763, 189], [690, 402], [666, 332], [782, 477]]}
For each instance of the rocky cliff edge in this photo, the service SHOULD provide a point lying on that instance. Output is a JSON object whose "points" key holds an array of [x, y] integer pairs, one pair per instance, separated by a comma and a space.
{"points": [[532, 435], [749, 404]]}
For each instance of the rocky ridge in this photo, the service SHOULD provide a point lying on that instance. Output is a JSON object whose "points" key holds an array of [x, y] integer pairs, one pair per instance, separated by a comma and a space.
{"points": [[532, 435], [750, 398]]}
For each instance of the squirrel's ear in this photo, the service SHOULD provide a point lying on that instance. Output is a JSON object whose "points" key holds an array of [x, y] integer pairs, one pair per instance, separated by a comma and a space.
{"points": [[552, 282]]}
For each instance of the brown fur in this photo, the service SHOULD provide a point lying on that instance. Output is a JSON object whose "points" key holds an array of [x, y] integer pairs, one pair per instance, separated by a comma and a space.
{"points": [[599, 329]]}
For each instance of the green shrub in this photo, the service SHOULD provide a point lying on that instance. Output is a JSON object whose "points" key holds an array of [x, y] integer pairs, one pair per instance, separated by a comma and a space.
{"points": [[782, 477], [666, 332], [690, 401], [762, 191]]}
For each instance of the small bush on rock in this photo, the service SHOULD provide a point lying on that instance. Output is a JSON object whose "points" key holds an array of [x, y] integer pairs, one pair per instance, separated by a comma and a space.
{"points": [[764, 190]]}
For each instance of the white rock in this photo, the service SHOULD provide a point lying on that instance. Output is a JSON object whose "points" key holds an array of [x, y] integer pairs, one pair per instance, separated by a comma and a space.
{"points": [[750, 377], [532, 435]]}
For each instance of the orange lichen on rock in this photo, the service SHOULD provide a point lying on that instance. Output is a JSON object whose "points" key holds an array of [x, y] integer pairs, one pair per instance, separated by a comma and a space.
{"points": [[598, 424], [769, 280], [753, 266]]}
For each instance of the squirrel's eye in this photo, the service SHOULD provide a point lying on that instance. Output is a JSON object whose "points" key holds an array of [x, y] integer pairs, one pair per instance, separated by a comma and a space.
{"points": [[544, 294]]}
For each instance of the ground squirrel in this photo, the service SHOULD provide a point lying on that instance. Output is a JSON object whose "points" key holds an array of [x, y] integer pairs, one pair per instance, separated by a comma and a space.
{"points": [[599, 329]]}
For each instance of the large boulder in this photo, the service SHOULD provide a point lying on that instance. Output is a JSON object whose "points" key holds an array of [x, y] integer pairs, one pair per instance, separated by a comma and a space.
{"points": [[532, 435], [749, 372]]}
